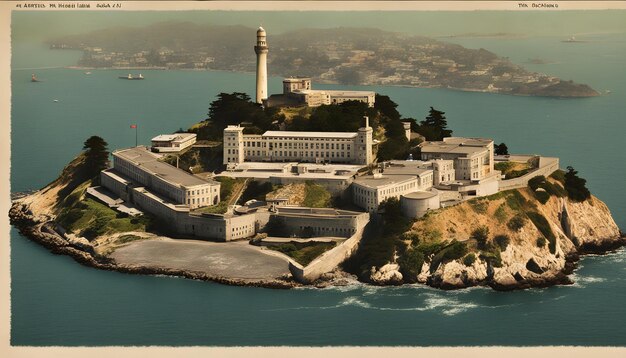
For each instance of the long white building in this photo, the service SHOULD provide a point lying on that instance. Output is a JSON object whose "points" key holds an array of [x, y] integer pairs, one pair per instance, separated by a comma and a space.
{"points": [[291, 146], [142, 167]]}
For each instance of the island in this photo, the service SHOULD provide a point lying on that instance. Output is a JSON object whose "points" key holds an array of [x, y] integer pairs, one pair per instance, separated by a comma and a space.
{"points": [[327, 188], [352, 56]]}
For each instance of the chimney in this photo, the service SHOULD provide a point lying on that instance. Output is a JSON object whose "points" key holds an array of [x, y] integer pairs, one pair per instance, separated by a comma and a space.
{"points": [[367, 121]]}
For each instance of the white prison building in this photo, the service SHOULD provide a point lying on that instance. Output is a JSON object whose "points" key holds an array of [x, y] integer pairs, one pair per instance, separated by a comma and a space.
{"points": [[144, 169], [293, 146]]}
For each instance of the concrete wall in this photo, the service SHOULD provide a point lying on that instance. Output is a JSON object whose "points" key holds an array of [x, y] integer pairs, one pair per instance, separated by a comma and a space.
{"points": [[315, 225], [329, 260], [417, 207], [547, 166]]}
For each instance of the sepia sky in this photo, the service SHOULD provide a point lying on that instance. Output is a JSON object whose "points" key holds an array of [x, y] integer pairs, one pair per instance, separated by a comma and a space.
{"points": [[34, 25]]}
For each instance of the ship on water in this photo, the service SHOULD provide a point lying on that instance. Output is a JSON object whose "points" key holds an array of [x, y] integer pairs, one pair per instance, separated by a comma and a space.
{"points": [[131, 77], [573, 39], [33, 78]]}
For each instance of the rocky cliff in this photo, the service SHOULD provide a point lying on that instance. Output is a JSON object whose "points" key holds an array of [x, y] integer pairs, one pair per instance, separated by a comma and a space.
{"points": [[520, 250]]}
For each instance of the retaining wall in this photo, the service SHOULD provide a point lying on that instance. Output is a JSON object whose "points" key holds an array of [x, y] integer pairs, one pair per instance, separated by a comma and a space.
{"points": [[547, 166], [329, 260]]}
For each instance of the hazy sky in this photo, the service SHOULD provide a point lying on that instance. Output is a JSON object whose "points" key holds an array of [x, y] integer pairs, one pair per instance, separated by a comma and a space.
{"points": [[34, 25]]}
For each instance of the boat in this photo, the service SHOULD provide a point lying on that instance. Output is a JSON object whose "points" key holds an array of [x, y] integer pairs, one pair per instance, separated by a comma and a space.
{"points": [[87, 73], [573, 39], [131, 77], [55, 100], [33, 78]]}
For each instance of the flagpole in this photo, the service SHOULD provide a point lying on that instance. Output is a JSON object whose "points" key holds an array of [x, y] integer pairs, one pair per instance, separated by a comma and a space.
{"points": [[134, 126]]}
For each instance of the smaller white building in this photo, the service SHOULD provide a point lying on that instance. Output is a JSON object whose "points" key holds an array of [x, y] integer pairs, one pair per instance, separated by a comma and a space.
{"points": [[298, 91], [173, 143]]}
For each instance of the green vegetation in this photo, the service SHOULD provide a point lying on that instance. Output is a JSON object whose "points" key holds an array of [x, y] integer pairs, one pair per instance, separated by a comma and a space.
{"points": [[501, 149], [316, 196], [515, 200], [231, 109], [381, 240], [491, 256], [481, 235], [576, 186], [544, 227], [503, 166], [220, 208], [559, 175], [344, 117], [207, 158], [124, 239], [435, 126], [517, 222], [227, 187], [255, 190], [514, 169], [303, 253], [411, 264], [479, 205], [96, 155], [500, 213], [453, 251], [517, 173], [543, 189], [502, 241], [469, 259], [90, 219]]}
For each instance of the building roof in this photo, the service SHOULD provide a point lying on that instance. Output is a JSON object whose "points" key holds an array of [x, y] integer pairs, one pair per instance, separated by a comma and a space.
{"points": [[144, 159], [407, 167], [345, 135], [172, 137], [373, 182], [296, 79], [420, 195], [456, 145], [474, 142], [338, 93]]}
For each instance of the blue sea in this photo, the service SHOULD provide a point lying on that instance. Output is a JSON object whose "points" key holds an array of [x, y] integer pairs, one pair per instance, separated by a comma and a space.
{"points": [[55, 301]]}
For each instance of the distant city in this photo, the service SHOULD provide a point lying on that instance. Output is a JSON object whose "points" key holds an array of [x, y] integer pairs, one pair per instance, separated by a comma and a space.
{"points": [[342, 55]]}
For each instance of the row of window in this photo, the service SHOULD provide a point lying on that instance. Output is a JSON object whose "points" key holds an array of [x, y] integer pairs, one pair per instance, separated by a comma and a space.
{"points": [[292, 154], [304, 145]]}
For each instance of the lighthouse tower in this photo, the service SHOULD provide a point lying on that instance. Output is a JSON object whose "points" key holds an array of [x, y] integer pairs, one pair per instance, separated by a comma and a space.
{"points": [[261, 50]]}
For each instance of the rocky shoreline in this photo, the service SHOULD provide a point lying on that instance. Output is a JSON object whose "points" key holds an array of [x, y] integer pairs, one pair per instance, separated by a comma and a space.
{"points": [[448, 276], [42, 231]]}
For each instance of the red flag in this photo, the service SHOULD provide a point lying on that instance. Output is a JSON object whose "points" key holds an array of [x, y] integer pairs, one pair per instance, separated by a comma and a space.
{"points": [[133, 126]]}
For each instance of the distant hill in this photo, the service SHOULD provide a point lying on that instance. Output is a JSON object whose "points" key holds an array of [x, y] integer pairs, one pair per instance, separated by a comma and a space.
{"points": [[340, 55]]}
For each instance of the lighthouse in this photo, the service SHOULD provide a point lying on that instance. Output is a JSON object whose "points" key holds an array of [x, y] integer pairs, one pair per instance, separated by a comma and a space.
{"points": [[261, 49]]}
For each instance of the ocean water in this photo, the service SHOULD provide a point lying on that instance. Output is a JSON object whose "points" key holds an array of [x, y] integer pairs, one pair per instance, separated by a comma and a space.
{"points": [[55, 301]]}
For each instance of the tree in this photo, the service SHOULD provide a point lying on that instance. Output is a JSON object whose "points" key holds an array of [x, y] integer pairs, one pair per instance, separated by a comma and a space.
{"points": [[387, 107], [233, 108], [501, 149], [434, 127], [411, 265], [481, 235], [575, 186], [96, 155]]}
